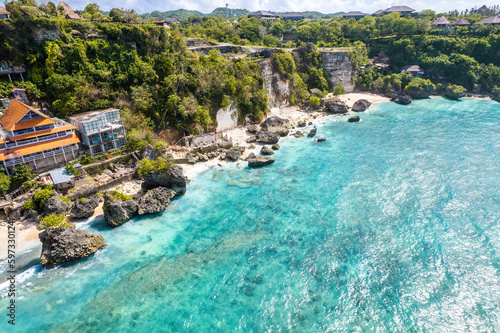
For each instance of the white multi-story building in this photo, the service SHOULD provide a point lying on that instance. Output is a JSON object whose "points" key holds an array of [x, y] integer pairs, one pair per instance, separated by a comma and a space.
{"points": [[100, 130]]}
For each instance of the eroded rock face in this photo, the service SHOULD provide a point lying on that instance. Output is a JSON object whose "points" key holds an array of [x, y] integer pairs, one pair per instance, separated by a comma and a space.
{"points": [[260, 161], [68, 244], [266, 151], [155, 201], [276, 125], [361, 105], [234, 153], [55, 205], [338, 66], [268, 137], [117, 212], [173, 179], [336, 107], [84, 208]]}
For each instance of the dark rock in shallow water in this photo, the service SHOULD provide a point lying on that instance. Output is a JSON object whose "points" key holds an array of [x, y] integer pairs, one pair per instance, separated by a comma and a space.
{"points": [[117, 212], [234, 153], [266, 151], [55, 205], [276, 125], [260, 161], [336, 107], [275, 146], [68, 244], [353, 119], [321, 139], [312, 132], [84, 207], [403, 99], [173, 179], [298, 134], [155, 201], [268, 137], [361, 105]]}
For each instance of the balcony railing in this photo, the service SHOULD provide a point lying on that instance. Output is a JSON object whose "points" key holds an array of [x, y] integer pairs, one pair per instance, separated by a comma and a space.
{"points": [[37, 156]]}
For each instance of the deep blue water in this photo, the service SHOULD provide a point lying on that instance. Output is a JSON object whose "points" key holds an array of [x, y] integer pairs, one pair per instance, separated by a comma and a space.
{"points": [[391, 225]]}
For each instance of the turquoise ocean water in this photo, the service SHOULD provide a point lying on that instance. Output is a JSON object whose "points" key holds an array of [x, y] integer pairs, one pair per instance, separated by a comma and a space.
{"points": [[391, 225]]}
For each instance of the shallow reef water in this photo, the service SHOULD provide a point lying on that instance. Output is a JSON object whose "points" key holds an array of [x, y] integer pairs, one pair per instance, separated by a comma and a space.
{"points": [[392, 225]]}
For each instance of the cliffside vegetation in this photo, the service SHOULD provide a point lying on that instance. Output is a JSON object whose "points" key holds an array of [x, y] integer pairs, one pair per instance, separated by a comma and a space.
{"points": [[120, 60]]}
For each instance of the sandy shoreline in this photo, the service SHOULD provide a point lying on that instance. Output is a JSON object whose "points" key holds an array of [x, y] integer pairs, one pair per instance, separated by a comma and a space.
{"points": [[27, 231]]}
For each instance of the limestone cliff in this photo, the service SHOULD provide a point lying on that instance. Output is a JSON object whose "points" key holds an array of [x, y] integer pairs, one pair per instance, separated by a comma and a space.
{"points": [[278, 90], [338, 66]]}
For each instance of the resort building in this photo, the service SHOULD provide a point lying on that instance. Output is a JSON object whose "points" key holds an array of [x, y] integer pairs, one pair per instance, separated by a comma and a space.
{"points": [[355, 15], [403, 10], [461, 23], [492, 20], [28, 136], [100, 131], [69, 12], [441, 23], [415, 70], [264, 15], [293, 16], [4, 14]]}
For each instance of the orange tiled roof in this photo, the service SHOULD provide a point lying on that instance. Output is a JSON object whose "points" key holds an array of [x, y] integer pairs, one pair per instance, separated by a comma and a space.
{"points": [[15, 112], [39, 133], [7, 154], [32, 123]]}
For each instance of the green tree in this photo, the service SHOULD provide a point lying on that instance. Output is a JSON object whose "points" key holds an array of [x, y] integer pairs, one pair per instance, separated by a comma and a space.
{"points": [[339, 89]]}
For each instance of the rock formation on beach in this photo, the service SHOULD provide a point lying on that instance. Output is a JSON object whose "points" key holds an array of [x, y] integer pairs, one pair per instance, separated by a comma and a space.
{"points": [[333, 106], [276, 125], [56, 205], [155, 201], [234, 153], [173, 179], [85, 207], [118, 211], [268, 137], [403, 99], [266, 151], [68, 244], [361, 105]]}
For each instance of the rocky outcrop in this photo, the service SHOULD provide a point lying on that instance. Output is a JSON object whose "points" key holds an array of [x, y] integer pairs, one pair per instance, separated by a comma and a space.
{"points": [[155, 201], [68, 244], [275, 146], [56, 205], [403, 99], [266, 151], [312, 132], [227, 118], [276, 125], [117, 212], [259, 161], [85, 207], [268, 137], [455, 95], [251, 139], [151, 154], [338, 65], [235, 153], [361, 105], [173, 179], [418, 93], [354, 119], [333, 106], [298, 134], [252, 129]]}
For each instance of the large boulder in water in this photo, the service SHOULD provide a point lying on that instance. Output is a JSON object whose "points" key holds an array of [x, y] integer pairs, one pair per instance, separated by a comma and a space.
{"points": [[84, 207], [403, 99], [312, 133], [68, 244], [361, 105], [235, 153], [354, 119], [155, 201], [276, 125], [173, 179], [266, 151], [56, 205], [259, 161], [268, 137], [333, 106], [117, 211]]}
